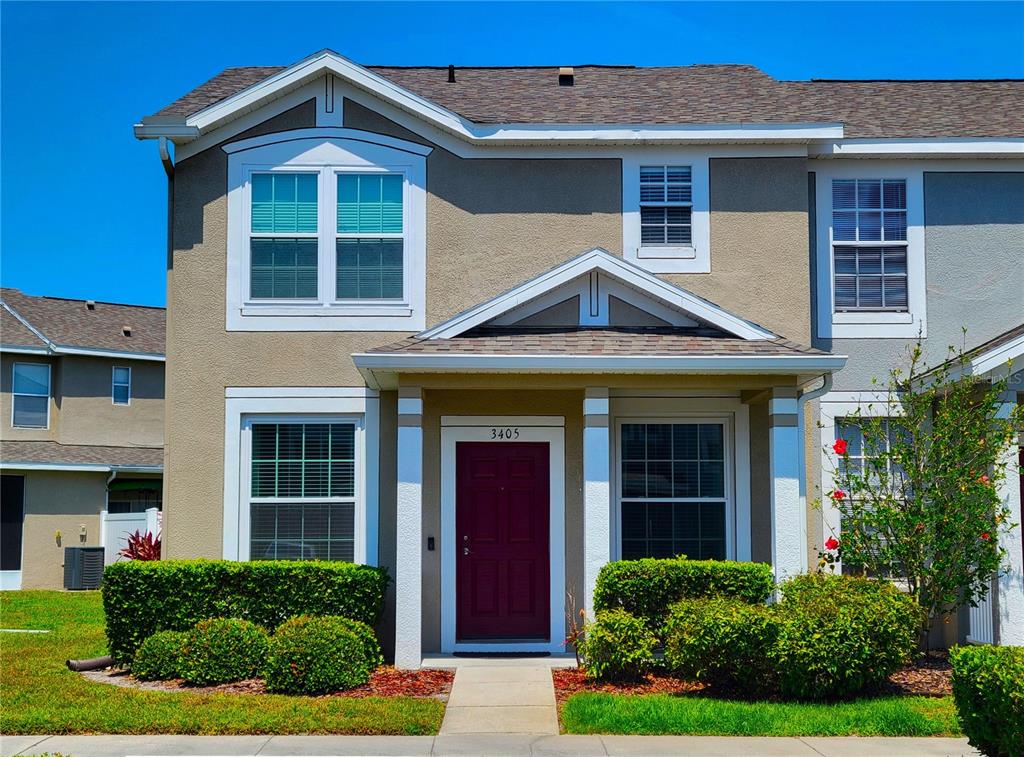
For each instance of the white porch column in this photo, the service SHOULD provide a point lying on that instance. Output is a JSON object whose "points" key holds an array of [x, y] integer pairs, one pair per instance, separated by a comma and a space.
{"points": [[1010, 588], [409, 528], [596, 492], [789, 519]]}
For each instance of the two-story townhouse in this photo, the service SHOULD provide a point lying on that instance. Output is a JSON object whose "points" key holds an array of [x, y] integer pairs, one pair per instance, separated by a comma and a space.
{"points": [[494, 327], [81, 441]]}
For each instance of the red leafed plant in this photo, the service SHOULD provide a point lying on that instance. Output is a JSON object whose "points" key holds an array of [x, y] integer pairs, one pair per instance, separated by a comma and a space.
{"points": [[142, 547]]}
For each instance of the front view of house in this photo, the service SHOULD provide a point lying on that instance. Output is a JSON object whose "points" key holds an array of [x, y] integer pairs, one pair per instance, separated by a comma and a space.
{"points": [[493, 342]]}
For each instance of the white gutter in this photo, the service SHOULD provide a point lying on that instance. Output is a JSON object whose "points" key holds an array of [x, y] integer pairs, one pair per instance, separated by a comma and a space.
{"points": [[81, 467]]}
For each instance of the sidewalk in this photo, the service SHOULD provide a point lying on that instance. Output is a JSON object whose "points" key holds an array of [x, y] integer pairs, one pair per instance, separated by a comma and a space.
{"points": [[498, 745]]}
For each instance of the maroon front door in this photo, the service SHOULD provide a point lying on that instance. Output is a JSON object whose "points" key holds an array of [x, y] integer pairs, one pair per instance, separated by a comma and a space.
{"points": [[501, 533]]}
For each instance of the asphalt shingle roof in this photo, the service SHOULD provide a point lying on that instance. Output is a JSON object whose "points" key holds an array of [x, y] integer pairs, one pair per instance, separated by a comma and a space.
{"points": [[617, 342], [14, 333], [699, 94], [14, 452], [69, 323]]}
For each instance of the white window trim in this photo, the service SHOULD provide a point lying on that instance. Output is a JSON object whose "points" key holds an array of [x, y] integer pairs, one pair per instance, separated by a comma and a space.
{"points": [[836, 406], [867, 324], [246, 405], [685, 409], [328, 152], [695, 258], [532, 429], [114, 383], [49, 394]]}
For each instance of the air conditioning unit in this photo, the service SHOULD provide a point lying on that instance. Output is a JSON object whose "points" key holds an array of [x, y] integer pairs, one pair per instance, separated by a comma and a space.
{"points": [[83, 567]]}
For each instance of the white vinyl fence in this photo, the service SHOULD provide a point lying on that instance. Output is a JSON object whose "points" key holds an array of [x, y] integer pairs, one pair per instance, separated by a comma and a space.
{"points": [[981, 629], [115, 529]]}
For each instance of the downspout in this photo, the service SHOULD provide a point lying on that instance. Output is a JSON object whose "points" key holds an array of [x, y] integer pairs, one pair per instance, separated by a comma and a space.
{"points": [[802, 398], [168, 163], [106, 509]]}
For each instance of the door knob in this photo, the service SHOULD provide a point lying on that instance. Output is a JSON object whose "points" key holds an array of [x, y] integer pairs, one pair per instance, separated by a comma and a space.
{"points": [[465, 550]]}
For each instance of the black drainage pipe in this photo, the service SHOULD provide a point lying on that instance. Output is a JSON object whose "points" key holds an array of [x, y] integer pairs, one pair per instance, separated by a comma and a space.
{"points": [[94, 664]]}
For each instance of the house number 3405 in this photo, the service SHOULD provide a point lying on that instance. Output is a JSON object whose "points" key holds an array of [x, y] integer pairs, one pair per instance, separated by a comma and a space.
{"points": [[504, 433]]}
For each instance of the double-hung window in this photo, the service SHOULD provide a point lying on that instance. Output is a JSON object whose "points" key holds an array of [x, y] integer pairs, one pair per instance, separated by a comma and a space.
{"points": [[121, 385], [673, 490], [283, 246], [302, 491], [370, 237], [666, 206], [869, 245], [31, 395]]}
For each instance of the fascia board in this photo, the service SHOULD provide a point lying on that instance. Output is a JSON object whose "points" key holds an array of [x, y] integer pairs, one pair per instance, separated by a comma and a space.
{"points": [[703, 364]]}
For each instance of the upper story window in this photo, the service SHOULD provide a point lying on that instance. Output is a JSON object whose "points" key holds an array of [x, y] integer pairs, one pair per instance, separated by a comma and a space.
{"points": [[869, 244], [665, 220], [31, 395], [326, 232], [121, 385], [869, 249], [666, 203]]}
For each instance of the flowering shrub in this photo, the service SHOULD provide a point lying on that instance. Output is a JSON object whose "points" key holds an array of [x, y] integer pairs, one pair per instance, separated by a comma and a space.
{"points": [[318, 655], [141, 546], [919, 503], [617, 647]]}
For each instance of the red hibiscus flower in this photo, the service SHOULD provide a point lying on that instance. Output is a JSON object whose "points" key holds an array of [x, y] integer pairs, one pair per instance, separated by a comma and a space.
{"points": [[984, 479], [838, 495], [832, 543], [986, 536], [839, 447]]}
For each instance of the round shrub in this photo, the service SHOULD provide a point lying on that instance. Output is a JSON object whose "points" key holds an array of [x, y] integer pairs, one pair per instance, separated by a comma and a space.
{"points": [[159, 656], [617, 646], [988, 688], [725, 642], [317, 655], [221, 650], [840, 634]]}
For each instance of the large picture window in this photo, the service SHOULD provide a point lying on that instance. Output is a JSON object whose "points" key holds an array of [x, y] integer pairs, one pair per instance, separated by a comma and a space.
{"points": [[673, 490], [302, 490]]}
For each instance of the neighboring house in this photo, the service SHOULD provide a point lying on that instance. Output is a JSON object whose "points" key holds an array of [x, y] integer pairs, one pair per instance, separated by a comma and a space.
{"points": [[81, 446], [494, 327]]}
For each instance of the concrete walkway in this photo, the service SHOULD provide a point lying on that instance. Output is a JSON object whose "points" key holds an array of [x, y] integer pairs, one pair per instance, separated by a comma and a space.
{"points": [[478, 744], [489, 699]]}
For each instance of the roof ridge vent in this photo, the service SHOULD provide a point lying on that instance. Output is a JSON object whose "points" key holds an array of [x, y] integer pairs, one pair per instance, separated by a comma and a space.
{"points": [[126, 330], [90, 304], [566, 76]]}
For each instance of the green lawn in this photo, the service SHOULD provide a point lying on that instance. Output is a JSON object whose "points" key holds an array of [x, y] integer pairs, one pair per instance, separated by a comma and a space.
{"points": [[40, 695], [703, 716]]}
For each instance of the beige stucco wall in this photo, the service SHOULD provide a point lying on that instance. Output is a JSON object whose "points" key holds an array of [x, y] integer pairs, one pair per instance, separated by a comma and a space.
{"points": [[81, 410], [57, 501]]}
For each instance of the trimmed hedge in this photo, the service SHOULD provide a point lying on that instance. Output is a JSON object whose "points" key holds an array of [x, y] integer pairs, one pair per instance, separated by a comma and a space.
{"points": [[159, 656], [318, 655], [141, 598], [841, 634], [617, 647], [221, 650], [647, 588], [723, 641], [988, 688]]}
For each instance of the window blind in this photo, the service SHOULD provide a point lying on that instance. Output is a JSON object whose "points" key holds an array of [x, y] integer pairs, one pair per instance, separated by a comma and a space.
{"points": [[284, 203], [370, 204], [666, 198]]}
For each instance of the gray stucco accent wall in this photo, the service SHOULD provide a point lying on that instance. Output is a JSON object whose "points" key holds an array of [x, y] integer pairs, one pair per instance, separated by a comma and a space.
{"points": [[974, 258]]}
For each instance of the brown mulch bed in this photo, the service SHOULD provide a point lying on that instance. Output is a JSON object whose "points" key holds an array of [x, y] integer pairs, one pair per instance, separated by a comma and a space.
{"points": [[928, 676], [385, 682]]}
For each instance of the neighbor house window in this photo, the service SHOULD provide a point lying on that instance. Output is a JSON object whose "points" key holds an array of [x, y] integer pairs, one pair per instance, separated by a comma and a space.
{"points": [[370, 244], [302, 503], [283, 242], [666, 206], [673, 494], [121, 385], [31, 392], [869, 244]]}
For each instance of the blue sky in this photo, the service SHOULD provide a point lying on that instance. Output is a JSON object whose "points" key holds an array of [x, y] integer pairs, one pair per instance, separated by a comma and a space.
{"points": [[83, 202]]}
